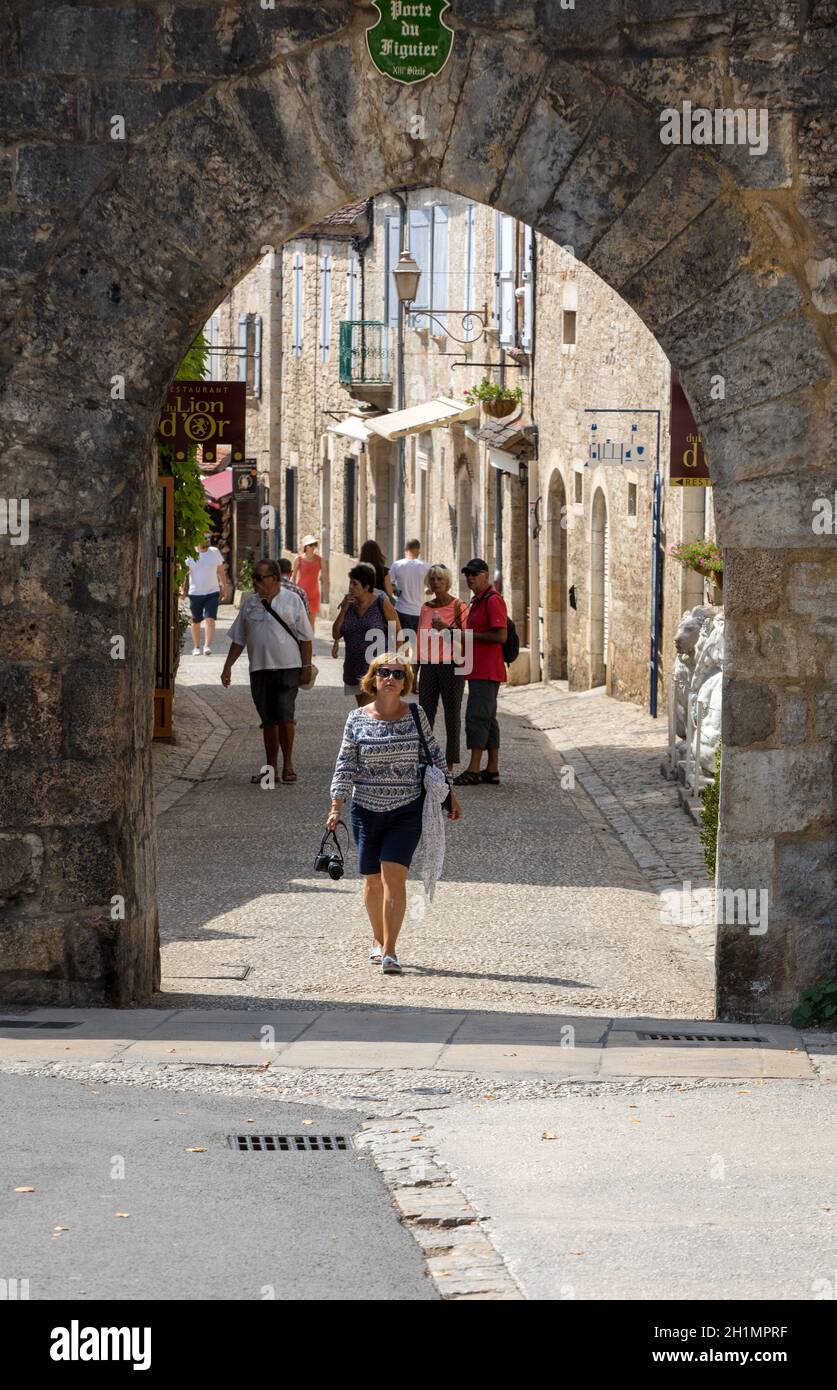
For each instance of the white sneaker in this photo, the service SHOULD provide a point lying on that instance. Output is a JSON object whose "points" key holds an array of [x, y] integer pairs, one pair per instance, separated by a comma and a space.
{"points": [[207, 651], [196, 651], [390, 966]]}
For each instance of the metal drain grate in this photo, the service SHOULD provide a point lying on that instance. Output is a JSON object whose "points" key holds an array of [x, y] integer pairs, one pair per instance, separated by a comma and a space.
{"points": [[27, 1023], [289, 1143], [700, 1037]]}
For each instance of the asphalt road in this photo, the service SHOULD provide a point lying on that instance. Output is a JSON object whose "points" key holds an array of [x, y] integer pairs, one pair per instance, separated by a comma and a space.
{"points": [[218, 1225]]}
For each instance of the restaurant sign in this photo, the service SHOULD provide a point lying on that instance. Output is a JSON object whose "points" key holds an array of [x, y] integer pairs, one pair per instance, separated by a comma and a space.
{"points": [[410, 41], [689, 466], [208, 413]]}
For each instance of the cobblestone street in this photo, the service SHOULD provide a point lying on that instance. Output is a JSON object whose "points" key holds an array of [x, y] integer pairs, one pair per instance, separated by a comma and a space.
{"points": [[548, 898]]}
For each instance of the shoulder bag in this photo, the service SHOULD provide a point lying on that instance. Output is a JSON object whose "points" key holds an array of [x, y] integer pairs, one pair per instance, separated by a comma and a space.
{"points": [[314, 670]]}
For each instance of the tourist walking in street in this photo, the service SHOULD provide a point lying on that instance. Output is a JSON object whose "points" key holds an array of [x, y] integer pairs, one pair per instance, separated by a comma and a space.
{"points": [[363, 617], [442, 619], [306, 571], [207, 585], [273, 625], [372, 554], [285, 570], [487, 629], [408, 576], [391, 768]]}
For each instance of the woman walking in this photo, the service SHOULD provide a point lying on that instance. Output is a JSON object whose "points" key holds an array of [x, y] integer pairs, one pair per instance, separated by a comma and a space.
{"points": [[372, 554], [363, 612], [441, 622], [380, 768], [306, 573]]}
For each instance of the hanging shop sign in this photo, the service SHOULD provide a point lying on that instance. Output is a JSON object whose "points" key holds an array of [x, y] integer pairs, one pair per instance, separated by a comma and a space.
{"points": [[410, 41], [689, 466], [245, 478], [208, 413]]}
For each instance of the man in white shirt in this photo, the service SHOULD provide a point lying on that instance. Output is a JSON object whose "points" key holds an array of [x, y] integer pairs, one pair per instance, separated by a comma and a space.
{"points": [[207, 584], [279, 654], [409, 575]]}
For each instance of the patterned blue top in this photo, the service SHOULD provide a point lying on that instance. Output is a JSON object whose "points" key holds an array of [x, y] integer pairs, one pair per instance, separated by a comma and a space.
{"points": [[379, 760]]}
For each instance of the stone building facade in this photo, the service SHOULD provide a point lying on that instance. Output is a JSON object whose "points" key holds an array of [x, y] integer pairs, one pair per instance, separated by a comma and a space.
{"points": [[242, 125]]}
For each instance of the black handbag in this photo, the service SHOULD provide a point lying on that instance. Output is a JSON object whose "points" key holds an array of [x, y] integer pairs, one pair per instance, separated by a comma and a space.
{"points": [[447, 804]]}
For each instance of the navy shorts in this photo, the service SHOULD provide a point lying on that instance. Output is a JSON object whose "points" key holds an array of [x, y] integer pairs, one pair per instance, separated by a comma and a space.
{"points": [[274, 694], [204, 606], [390, 835]]}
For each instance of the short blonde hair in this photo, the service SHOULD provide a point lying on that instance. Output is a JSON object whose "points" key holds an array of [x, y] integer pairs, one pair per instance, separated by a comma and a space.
{"points": [[437, 569], [367, 683]]}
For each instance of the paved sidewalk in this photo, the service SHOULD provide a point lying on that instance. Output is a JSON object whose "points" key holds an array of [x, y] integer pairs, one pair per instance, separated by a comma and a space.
{"points": [[541, 908]]}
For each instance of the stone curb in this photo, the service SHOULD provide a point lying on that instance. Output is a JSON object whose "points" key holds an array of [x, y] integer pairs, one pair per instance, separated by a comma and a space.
{"points": [[461, 1260]]}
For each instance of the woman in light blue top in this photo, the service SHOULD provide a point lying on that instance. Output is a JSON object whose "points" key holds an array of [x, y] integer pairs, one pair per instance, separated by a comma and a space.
{"points": [[379, 767]]}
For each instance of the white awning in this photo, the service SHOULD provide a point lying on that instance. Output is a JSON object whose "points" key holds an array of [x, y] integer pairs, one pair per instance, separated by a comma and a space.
{"points": [[417, 418], [350, 428]]}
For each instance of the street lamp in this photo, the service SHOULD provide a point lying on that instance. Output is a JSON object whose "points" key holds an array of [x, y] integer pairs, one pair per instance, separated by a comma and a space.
{"points": [[406, 276]]}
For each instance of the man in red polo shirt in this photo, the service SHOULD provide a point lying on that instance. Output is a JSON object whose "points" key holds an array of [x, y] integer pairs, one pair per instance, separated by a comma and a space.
{"points": [[486, 624]]}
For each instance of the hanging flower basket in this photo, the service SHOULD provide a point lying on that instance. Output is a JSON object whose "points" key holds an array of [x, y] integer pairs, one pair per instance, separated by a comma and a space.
{"points": [[499, 409], [706, 558]]}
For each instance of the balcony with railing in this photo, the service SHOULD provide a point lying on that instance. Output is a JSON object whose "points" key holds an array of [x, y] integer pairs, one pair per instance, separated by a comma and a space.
{"points": [[367, 358]]}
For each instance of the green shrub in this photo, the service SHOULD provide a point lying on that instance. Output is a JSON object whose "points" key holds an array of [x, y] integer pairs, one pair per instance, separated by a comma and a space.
{"points": [[191, 518], [817, 1006], [709, 803], [490, 391]]}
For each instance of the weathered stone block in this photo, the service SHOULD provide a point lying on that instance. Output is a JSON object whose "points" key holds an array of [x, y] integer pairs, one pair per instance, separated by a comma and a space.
{"points": [[770, 363], [778, 791], [740, 307], [745, 863], [566, 107], [753, 581], [707, 253], [140, 103], [208, 40], [825, 715], [793, 725], [749, 712], [812, 586], [32, 107], [6, 176], [61, 793], [89, 690], [26, 241], [82, 39], [806, 880], [770, 649], [585, 28], [21, 861], [82, 867], [764, 442], [30, 709]]}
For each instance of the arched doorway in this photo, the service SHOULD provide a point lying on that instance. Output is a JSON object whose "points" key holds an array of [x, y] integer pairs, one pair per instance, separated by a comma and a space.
{"points": [[556, 579], [115, 268], [599, 591]]}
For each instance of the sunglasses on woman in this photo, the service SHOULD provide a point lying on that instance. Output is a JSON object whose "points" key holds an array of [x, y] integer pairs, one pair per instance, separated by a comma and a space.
{"points": [[384, 671]]}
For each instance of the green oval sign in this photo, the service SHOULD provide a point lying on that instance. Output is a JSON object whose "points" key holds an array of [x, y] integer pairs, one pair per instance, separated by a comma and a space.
{"points": [[410, 41]]}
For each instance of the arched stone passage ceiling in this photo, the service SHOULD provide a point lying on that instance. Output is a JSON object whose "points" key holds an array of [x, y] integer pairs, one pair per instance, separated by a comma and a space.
{"points": [[245, 126]]}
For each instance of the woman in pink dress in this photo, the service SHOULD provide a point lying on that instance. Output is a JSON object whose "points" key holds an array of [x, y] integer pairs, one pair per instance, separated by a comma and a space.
{"points": [[306, 573], [440, 650]]}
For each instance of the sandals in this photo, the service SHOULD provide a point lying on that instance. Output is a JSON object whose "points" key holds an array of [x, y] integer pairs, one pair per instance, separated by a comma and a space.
{"points": [[467, 779], [493, 778], [289, 777]]}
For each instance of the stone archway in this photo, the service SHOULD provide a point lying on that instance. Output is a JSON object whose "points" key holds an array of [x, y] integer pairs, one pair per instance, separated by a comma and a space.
{"points": [[244, 126], [556, 578]]}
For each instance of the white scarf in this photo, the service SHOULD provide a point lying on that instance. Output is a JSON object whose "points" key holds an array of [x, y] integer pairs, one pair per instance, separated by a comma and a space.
{"points": [[433, 828]]}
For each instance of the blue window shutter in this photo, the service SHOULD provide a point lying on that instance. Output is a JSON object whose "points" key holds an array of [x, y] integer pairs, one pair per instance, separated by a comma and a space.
{"points": [[528, 306], [469, 263], [242, 347], [439, 276], [325, 308], [420, 248], [393, 255], [297, 338], [257, 350], [498, 260], [508, 230]]}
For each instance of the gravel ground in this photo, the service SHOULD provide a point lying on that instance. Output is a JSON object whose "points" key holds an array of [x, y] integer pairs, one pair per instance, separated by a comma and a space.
{"points": [[541, 908]]}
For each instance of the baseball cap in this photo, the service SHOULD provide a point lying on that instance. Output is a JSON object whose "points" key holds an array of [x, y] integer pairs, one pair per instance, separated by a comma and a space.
{"points": [[475, 567]]}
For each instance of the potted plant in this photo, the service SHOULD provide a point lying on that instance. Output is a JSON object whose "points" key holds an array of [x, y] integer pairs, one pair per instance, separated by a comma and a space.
{"points": [[497, 401], [706, 558]]}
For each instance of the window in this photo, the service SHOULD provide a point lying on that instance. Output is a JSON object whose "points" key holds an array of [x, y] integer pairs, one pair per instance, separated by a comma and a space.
{"points": [[213, 334], [504, 271], [469, 263], [439, 263], [528, 280], [578, 495], [393, 253], [351, 288], [296, 347], [325, 307], [250, 352], [568, 326], [631, 499], [290, 509], [350, 505]]}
